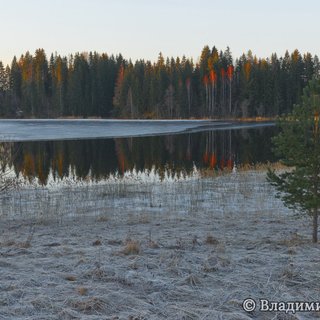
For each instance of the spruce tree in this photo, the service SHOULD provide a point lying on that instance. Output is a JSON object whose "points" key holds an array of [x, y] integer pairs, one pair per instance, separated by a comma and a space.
{"points": [[298, 146]]}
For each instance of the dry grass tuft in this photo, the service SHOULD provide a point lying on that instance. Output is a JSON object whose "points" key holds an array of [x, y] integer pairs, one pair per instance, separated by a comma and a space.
{"points": [[258, 167], [40, 304], [82, 291], [70, 278], [9, 243], [131, 247], [24, 245], [291, 251], [262, 166], [27, 243], [97, 273], [21, 244], [193, 280], [97, 243], [153, 245], [209, 173], [212, 240], [294, 241], [90, 305]]}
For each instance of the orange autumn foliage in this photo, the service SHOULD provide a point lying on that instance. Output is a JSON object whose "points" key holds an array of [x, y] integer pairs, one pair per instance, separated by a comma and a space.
{"points": [[213, 76], [247, 70], [213, 161], [229, 164], [230, 71]]}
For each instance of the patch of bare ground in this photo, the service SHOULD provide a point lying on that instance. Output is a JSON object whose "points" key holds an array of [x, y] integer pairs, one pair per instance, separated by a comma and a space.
{"points": [[190, 250]]}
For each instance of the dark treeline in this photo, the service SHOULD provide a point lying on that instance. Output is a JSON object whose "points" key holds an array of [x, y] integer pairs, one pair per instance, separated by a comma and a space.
{"points": [[98, 85]]}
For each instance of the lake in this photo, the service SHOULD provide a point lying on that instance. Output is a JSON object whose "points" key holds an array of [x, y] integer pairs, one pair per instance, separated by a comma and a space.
{"points": [[96, 149]]}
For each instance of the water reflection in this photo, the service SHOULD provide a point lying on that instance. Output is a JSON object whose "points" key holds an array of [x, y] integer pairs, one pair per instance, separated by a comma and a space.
{"points": [[99, 158]]}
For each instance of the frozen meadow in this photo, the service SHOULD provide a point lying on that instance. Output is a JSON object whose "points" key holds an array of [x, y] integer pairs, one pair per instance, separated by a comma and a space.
{"points": [[142, 247]]}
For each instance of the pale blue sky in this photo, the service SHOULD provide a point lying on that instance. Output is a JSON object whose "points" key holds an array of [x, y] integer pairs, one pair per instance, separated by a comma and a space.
{"points": [[143, 28]]}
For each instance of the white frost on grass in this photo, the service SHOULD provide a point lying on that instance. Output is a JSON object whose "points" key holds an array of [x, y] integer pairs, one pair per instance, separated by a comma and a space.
{"points": [[130, 177], [183, 250]]}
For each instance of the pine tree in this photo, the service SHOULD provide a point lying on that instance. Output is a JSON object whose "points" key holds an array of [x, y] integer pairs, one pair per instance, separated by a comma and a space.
{"points": [[2, 88], [15, 80], [41, 82], [118, 91], [204, 84], [80, 86], [298, 146], [3, 78], [28, 93], [230, 72]]}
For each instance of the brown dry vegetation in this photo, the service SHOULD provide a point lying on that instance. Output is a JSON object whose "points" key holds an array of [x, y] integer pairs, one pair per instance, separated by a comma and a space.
{"points": [[131, 247]]}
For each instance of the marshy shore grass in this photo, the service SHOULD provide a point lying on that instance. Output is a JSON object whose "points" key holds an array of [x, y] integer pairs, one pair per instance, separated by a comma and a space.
{"points": [[191, 249]]}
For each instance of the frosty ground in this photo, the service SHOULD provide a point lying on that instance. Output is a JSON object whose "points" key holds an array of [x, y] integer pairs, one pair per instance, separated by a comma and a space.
{"points": [[141, 248]]}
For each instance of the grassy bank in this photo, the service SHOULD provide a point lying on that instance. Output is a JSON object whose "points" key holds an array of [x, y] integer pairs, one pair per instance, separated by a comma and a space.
{"points": [[187, 249]]}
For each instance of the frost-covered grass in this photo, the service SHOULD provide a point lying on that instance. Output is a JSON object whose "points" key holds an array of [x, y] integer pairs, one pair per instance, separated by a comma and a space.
{"points": [[190, 248]]}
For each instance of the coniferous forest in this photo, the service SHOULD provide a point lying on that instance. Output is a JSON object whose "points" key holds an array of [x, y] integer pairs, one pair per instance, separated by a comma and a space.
{"points": [[99, 85]]}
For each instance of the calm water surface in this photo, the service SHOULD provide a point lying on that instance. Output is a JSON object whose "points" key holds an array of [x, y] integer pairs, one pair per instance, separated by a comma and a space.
{"points": [[98, 158]]}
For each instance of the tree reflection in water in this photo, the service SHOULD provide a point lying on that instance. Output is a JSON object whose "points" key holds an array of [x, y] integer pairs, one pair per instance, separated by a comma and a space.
{"points": [[98, 158]]}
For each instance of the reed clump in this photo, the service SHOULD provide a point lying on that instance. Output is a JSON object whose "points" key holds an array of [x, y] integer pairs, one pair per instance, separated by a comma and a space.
{"points": [[132, 247]]}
